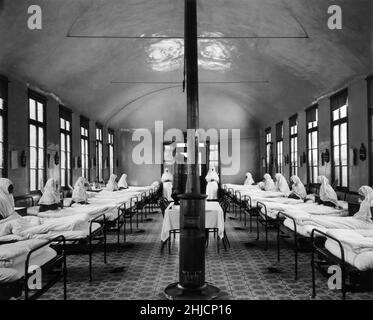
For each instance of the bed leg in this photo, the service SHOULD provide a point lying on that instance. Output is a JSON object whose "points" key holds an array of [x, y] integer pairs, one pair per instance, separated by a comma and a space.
{"points": [[343, 282], [278, 241], [169, 244], [251, 222], [218, 245], [257, 227], [90, 264], [64, 271], [266, 229], [313, 272], [124, 229], [118, 235], [105, 248], [295, 256]]}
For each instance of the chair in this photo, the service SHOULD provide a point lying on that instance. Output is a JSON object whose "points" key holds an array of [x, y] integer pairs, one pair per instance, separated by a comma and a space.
{"points": [[163, 204]]}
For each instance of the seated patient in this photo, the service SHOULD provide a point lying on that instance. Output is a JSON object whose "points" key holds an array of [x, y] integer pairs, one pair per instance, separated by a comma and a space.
{"points": [[298, 191], [268, 185], [365, 212], [6, 200], [112, 184], [249, 179], [282, 184], [328, 197], [79, 192], [122, 183], [50, 200]]}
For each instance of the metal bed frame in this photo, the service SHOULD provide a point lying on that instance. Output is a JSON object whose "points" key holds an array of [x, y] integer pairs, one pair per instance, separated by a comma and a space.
{"points": [[327, 258], [8, 290]]}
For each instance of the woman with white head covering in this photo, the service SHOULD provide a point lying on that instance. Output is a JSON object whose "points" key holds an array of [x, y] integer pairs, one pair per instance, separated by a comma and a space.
{"points": [[249, 179], [6, 198], [365, 211], [122, 183], [50, 200], [212, 187], [327, 195], [282, 184], [269, 185], [298, 191], [112, 184], [167, 179], [79, 192]]}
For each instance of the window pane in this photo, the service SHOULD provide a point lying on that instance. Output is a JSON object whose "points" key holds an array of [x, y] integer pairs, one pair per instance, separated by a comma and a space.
{"points": [[336, 175], [344, 177], [344, 155], [41, 158], [336, 155], [62, 137], [32, 136], [67, 125], [1, 103], [314, 157], [63, 180], [343, 111], [40, 112], [343, 133], [62, 123], [32, 179], [314, 139], [63, 159], [41, 137], [32, 104], [40, 179], [336, 135], [336, 114], [68, 148], [1, 155], [68, 159], [33, 157]]}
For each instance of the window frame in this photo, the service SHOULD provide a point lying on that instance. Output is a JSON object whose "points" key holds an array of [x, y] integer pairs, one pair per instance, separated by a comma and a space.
{"points": [[268, 149], [99, 142], [291, 152], [334, 123], [38, 98], [4, 115], [66, 115], [280, 156], [111, 148], [309, 133], [84, 124]]}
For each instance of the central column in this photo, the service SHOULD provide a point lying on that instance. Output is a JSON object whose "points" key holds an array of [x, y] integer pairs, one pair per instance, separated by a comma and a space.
{"points": [[192, 283]]}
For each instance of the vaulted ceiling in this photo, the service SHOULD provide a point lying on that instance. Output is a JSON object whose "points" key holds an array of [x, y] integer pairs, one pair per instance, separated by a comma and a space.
{"points": [[121, 61]]}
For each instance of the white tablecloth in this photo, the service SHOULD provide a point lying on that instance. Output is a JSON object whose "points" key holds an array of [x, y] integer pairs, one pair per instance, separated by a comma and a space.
{"points": [[214, 219]]}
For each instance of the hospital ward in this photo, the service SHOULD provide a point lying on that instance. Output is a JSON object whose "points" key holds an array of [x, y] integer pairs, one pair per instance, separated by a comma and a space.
{"points": [[186, 150]]}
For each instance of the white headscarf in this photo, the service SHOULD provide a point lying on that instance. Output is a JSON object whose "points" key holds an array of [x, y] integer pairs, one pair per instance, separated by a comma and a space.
{"points": [[298, 187], [212, 175], [282, 184], [112, 185], [6, 199], [167, 176], [326, 191], [249, 179], [364, 211], [79, 193], [50, 193], [122, 183], [269, 185]]}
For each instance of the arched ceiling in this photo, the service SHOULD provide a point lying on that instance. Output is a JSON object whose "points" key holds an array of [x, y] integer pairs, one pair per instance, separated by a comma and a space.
{"points": [[261, 60]]}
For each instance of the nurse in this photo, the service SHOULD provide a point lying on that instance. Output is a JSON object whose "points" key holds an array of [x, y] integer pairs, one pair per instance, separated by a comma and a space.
{"points": [[167, 179], [212, 179]]}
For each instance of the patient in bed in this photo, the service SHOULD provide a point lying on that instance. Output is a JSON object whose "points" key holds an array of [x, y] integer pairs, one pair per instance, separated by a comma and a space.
{"points": [[249, 179], [50, 200], [112, 184], [328, 197], [6, 200], [365, 212], [298, 191], [122, 183], [79, 193], [268, 184], [282, 184]]}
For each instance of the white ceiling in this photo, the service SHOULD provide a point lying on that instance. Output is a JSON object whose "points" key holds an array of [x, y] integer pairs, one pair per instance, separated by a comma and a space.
{"points": [[85, 46]]}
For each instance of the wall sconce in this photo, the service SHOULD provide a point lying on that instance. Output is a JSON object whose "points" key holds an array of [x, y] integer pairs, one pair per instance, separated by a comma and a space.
{"points": [[56, 159], [117, 163], [304, 157], [287, 159], [363, 152], [23, 158], [79, 162]]}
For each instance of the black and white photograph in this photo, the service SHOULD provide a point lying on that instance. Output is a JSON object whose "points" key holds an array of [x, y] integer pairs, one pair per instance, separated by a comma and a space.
{"points": [[205, 151]]}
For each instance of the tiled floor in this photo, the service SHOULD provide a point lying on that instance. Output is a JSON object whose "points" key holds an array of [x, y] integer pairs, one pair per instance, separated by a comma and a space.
{"points": [[240, 272]]}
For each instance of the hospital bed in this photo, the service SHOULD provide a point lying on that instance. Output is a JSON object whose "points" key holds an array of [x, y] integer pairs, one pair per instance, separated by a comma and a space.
{"points": [[351, 250], [18, 263]]}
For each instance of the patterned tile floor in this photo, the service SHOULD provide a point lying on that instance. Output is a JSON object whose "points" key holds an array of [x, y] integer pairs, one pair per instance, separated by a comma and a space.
{"points": [[240, 272]]}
